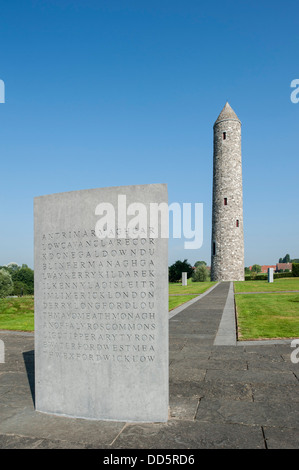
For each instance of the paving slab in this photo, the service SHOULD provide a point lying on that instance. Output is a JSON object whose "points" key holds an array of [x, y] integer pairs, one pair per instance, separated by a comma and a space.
{"points": [[179, 434], [20, 442], [252, 376], [248, 413], [278, 394], [277, 438]]}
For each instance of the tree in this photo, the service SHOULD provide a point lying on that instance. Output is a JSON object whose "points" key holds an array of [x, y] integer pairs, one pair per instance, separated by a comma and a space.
{"points": [[6, 283], [22, 278], [200, 274], [286, 259], [256, 268], [247, 270], [175, 270], [198, 263], [13, 267]]}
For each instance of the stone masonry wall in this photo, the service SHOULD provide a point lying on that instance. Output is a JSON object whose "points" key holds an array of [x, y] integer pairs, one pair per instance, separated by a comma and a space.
{"points": [[227, 263]]}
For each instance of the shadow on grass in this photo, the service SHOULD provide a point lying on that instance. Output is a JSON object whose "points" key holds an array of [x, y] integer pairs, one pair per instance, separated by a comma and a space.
{"points": [[28, 357]]}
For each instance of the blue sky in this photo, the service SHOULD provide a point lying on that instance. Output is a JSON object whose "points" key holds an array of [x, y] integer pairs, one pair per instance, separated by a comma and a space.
{"points": [[119, 92]]}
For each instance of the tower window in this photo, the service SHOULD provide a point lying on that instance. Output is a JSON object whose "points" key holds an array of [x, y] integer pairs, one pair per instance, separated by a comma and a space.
{"points": [[237, 223], [214, 248], [225, 201], [224, 135]]}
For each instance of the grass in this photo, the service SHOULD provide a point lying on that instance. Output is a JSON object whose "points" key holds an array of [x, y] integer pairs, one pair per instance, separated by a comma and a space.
{"points": [[191, 288], [259, 315], [288, 283], [17, 313], [176, 301], [267, 316], [264, 316], [179, 294]]}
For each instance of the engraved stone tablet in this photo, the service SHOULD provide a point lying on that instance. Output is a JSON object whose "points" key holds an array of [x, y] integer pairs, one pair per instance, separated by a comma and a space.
{"points": [[101, 304]]}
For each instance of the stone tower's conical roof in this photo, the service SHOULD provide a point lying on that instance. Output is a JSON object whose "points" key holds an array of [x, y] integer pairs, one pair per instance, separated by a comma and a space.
{"points": [[227, 113]]}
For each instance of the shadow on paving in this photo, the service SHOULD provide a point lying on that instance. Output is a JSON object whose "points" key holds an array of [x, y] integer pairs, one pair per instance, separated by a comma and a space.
{"points": [[221, 397], [29, 364]]}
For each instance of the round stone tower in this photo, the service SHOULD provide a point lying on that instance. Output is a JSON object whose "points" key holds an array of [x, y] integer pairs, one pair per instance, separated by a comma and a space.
{"points": [[227, 260]]}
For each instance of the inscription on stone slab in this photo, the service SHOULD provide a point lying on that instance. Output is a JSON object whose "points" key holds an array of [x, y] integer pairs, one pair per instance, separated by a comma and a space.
{"points": [[101, 306]]}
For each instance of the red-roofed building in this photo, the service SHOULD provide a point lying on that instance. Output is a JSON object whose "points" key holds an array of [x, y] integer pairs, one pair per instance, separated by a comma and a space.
{"points": [[283, 266], [277, 267], [265, 267]]}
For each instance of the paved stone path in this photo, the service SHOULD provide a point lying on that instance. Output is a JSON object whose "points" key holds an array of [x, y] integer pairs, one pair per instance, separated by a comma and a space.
{"points": [[221, 396]]}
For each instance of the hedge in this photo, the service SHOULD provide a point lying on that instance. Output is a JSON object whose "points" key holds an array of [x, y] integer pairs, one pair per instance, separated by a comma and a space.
{"points": [[278, 275], [264, 277]]}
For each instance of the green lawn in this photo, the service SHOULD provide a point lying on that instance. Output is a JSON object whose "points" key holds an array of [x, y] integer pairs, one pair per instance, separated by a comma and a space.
{"points": [[176, 301], [191, 288], [287, 283], [178, 293], [259, 315], [17, 313], [267, 315]]}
